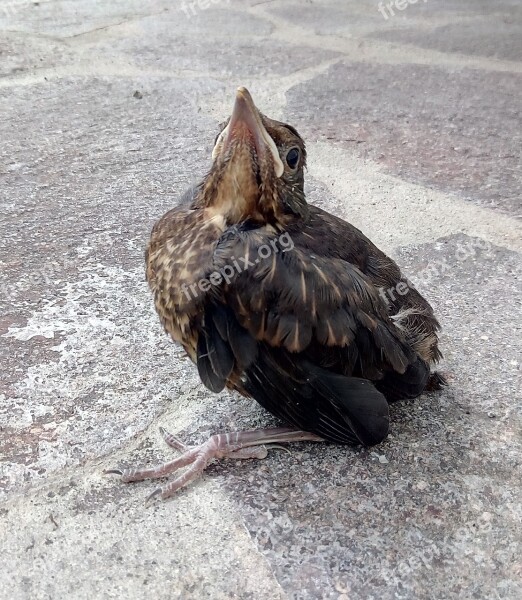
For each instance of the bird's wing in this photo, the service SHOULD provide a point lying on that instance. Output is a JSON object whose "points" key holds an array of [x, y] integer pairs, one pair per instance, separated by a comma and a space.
{"points": [[409, 310], [292, 299], [303, 335]]}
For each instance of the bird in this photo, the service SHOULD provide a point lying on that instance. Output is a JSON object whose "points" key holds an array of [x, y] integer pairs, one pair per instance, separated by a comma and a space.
{"points": [[282, 302]]}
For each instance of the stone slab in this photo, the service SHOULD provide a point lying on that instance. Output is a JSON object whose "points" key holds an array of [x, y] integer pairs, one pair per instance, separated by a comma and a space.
{"points": [[107, 112], [456, 131]]}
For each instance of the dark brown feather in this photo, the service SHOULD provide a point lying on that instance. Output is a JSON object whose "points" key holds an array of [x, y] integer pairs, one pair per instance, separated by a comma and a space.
{"points": [[306, 331]]}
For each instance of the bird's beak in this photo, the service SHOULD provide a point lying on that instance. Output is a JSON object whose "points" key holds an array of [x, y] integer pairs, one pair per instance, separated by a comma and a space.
{"points": [[246, 122]]}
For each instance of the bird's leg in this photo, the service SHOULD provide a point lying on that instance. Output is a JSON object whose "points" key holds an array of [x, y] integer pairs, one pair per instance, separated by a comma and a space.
{"points": [[242, 453], [244, 444]]}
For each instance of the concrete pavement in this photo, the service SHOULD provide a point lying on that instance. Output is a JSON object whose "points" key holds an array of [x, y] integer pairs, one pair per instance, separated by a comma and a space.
{"points": [[413, 124]]}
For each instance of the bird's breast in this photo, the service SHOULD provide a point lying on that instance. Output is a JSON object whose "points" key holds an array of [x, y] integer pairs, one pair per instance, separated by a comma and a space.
{"points": [[178, 263]]}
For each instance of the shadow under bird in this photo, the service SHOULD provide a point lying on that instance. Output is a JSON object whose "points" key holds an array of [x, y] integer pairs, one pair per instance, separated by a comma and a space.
{"points": [[282, 302]]}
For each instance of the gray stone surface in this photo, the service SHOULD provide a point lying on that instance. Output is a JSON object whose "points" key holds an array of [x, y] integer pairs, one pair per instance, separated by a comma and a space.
{"points": [[457, 131], [413, 131], [493, 37]]}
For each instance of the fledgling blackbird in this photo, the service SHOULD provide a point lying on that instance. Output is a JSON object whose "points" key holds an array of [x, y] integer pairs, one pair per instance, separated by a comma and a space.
{"points": [[283, 302]]}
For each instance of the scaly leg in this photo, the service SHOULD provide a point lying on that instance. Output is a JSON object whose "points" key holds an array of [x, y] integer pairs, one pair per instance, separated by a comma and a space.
{"points": [[241, 445]]}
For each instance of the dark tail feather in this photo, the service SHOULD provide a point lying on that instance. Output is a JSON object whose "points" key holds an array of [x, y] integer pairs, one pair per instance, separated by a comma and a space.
{"points": [[339, 409], [362, 407]]}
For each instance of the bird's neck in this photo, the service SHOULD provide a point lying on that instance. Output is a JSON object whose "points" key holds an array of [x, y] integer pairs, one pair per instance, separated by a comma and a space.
{"points": [[237, 198]]}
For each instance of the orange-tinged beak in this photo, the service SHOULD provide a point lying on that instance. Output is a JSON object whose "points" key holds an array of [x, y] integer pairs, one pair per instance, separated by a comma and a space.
{"points": [[246, 124]]}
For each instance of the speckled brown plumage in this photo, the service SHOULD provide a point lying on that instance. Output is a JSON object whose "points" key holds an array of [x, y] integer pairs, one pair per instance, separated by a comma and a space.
{"points": [[309, 331], [282, 302]]}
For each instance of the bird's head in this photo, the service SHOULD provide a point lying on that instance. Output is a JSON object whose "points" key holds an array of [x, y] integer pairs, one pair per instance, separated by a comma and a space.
{"points": [[257, 169]]}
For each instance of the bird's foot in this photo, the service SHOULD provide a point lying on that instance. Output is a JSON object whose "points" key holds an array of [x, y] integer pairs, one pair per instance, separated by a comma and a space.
{"points": [[239, 445]]}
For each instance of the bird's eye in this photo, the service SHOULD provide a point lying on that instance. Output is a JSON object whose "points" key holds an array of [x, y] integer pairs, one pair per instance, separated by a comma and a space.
{"points": [[292, 157]]}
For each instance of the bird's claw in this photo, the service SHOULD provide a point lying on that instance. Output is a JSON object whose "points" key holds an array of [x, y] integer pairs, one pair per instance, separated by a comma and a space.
{"points": [[156, 492], [241, 445], [112, 472]]}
